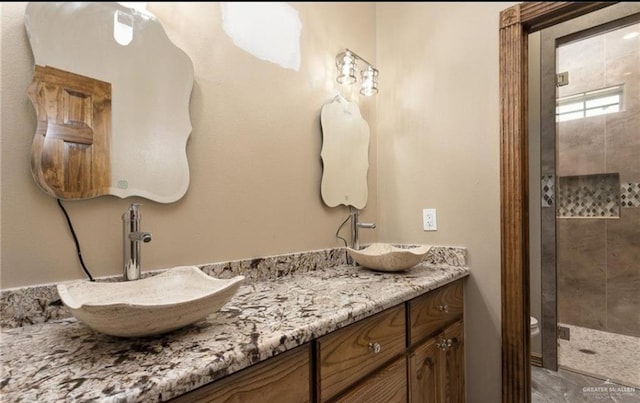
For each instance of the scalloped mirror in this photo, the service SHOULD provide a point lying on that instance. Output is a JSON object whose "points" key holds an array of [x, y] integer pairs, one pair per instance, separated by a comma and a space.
{"points": [[345, 154], [111, 93]]}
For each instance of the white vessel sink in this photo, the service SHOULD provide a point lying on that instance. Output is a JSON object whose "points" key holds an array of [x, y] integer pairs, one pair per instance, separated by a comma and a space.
{"points": [[173, 299], [386, 257]]}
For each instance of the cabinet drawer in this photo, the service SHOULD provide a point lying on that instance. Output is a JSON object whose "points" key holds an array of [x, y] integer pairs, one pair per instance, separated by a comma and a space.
{"points": [[285, 378], [435, 310], [349, 354], [388, 385]]}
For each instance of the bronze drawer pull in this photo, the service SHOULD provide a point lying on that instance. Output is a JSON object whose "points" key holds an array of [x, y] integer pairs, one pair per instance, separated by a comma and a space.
{"points": [[443, 308]]}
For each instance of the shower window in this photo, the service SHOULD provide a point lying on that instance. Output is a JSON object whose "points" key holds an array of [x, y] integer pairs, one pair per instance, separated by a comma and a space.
{"points": [[590, 103]]}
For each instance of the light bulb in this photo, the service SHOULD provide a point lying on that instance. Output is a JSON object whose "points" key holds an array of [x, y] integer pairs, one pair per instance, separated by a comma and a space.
{"points": [[369, 81], [346, 64]]}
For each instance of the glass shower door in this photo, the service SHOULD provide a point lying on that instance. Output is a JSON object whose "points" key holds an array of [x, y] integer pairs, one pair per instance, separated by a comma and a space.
{"points": [[597, 180]]}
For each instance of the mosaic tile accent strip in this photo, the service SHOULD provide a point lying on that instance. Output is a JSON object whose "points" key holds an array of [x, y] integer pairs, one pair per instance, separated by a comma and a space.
{"points": [[589, 196], [547, 190], [630, 194], [41, 303]]}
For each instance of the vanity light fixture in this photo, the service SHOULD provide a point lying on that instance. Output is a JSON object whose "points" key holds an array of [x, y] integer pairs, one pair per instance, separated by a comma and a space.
{"points": [[346, 62]]}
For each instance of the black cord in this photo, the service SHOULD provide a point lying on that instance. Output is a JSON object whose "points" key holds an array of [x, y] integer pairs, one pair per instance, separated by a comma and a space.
{"points": [[75, 239], [344, 240], [339, 228]]}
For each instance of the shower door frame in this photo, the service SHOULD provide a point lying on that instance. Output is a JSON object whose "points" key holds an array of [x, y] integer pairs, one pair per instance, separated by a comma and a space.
{"points": [[516, 23]]}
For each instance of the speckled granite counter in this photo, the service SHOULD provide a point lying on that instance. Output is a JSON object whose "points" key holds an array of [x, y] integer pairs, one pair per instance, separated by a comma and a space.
{"points": [[63, 360]]}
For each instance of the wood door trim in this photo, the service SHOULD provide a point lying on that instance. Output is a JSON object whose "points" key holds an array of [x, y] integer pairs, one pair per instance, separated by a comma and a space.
{"points": [[516, 23]]}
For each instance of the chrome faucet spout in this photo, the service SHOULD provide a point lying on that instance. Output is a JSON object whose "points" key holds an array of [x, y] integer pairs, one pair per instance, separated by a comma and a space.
{"points": [[131, 242]]}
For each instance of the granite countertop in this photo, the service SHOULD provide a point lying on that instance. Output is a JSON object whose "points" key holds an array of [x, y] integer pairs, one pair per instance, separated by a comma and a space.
{"points": [[64, 360]]}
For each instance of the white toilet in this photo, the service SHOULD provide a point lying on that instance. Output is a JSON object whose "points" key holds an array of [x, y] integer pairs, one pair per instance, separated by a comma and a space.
{"points": [[535, 330]]}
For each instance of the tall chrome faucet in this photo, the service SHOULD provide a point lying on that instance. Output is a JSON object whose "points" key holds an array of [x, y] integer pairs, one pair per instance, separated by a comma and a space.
{"points": [[355, 226], [132, 237]]}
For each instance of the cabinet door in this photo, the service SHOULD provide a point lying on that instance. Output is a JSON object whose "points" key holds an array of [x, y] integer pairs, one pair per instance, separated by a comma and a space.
{"points": [[424, 373], [453, 380], [436, 368], [284, 379]]}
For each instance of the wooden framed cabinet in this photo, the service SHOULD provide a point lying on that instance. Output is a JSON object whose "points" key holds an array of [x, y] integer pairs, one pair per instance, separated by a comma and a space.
{"points": [[435, 340], [420, 356], [412, 352], [436, 368]]}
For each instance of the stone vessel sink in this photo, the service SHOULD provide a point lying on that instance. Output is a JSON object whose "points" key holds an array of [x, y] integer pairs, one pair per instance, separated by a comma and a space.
{"points": [[389, 258], [168, 301]]}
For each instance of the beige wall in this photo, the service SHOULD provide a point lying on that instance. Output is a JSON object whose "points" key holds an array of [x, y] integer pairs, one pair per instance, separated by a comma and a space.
{"points": [[438, 142], [254, 154]]}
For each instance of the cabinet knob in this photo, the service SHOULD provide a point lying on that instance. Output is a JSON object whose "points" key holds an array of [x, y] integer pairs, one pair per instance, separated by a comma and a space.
{"points": [[443, 308], [375, 347], [444, 345]]}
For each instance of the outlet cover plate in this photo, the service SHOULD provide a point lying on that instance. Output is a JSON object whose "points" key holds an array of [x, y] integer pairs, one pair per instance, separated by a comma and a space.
{"points": [[429, 219]]}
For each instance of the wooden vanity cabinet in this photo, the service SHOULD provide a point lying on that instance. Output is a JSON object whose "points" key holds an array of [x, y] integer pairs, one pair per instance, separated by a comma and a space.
{"points": [[413, 352], [427, 366]]}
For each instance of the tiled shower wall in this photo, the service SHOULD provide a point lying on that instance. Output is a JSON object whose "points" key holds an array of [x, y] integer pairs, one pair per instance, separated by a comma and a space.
{"points": [[598, 259]]}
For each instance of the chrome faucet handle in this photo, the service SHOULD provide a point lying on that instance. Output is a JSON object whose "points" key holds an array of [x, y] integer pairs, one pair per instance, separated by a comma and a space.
{"points": [[140, 236]]}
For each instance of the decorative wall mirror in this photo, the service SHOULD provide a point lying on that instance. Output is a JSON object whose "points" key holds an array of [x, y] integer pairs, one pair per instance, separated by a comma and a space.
{"points": [[345, 154], [111, 94]]}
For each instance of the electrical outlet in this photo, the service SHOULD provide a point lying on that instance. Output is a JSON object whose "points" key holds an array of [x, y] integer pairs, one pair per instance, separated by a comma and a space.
{"points": [[429, 221]]}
